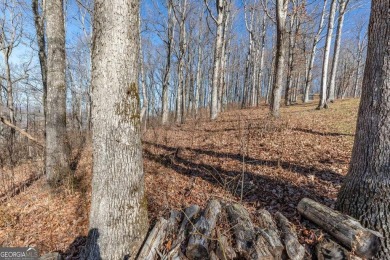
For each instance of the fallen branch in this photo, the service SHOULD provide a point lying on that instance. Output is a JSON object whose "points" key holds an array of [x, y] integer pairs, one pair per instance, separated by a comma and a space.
{"points": [[21, 131], [347, 230]]}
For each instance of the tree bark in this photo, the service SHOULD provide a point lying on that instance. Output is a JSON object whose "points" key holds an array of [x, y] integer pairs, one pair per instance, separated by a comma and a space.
{"points": [[365, 194], [118, 219], [167, 71], [40, 30], [281, 13], [337, 47], [221, 4], [325, 64], [294, 249], [345, 229], [57, 147], [309, 72]]}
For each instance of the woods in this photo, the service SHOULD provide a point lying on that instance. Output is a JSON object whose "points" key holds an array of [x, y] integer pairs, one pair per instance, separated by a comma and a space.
{"points": [[243, 109]]}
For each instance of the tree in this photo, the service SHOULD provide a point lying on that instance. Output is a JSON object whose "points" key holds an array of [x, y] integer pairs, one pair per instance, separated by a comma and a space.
{"points": [[325, 64], [309, 70], [219, 21], [40, 30], [118, 219], [281, 13], [332, 84], [167, 71], [57, 150], [180, 12], [365, 193]]}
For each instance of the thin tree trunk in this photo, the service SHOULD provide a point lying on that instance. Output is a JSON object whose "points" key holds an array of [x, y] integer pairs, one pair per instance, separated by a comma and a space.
{"points": [[40, 30], [198, 77], [337, 46], [325, 64], [355, 91], [180, 98], [365, 194], [262, 55], [57, 147], [167, 71], [145, 101], [118, 219], [309, 72], [291, 50]]}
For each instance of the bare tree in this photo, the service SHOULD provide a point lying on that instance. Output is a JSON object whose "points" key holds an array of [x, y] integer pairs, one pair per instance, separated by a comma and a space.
{"points": [[361, 45], [365, 193], [281, 13], [170, 30], [180, 12], [325, 64], [219, 21], [313, 51], [332, 84]]}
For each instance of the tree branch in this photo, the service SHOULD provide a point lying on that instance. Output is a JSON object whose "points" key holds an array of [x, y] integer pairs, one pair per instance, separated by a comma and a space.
{"points": [[21, 131]]}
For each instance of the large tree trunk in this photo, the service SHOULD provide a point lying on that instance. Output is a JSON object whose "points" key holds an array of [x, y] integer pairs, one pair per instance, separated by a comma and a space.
{"points": [[365, 193], [281, 13], [118, 219], [325, 64], [335, 62], [57, 148]]}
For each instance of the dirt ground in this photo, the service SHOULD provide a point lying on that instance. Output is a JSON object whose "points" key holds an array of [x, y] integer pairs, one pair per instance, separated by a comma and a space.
{"points": [[243, 156]]}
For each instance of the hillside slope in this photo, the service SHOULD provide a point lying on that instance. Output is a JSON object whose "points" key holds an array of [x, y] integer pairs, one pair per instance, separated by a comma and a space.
{"points": [[243, 154]]}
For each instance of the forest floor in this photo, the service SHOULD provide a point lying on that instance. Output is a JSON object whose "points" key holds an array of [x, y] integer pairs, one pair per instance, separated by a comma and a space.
{"points": [[243, 156]]}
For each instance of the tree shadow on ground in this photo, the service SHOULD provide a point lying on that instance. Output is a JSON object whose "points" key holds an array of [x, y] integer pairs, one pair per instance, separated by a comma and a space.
{"points": [[325, 175], [275, 194], [310, 131], [77, 249]]}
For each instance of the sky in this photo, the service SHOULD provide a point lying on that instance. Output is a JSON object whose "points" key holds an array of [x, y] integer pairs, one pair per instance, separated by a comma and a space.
{"points": [[74, 28]]}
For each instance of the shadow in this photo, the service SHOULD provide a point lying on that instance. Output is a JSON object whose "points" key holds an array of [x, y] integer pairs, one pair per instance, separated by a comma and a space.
{"points": [[310, 131], [74, 250], [264, 191], [325, 175], [84, 247]]}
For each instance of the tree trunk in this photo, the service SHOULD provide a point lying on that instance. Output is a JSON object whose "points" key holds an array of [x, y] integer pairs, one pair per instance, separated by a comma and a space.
{"points": [[167, 71], [346, 230], [198, 78], [335, 62], [40, 30], [309, 72], [145, 101], [118, 219], [57, 147], [291, 48], [365, 194], [180, 98], [325, 64], [281, 13], [217, 59], [262, 54]]}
